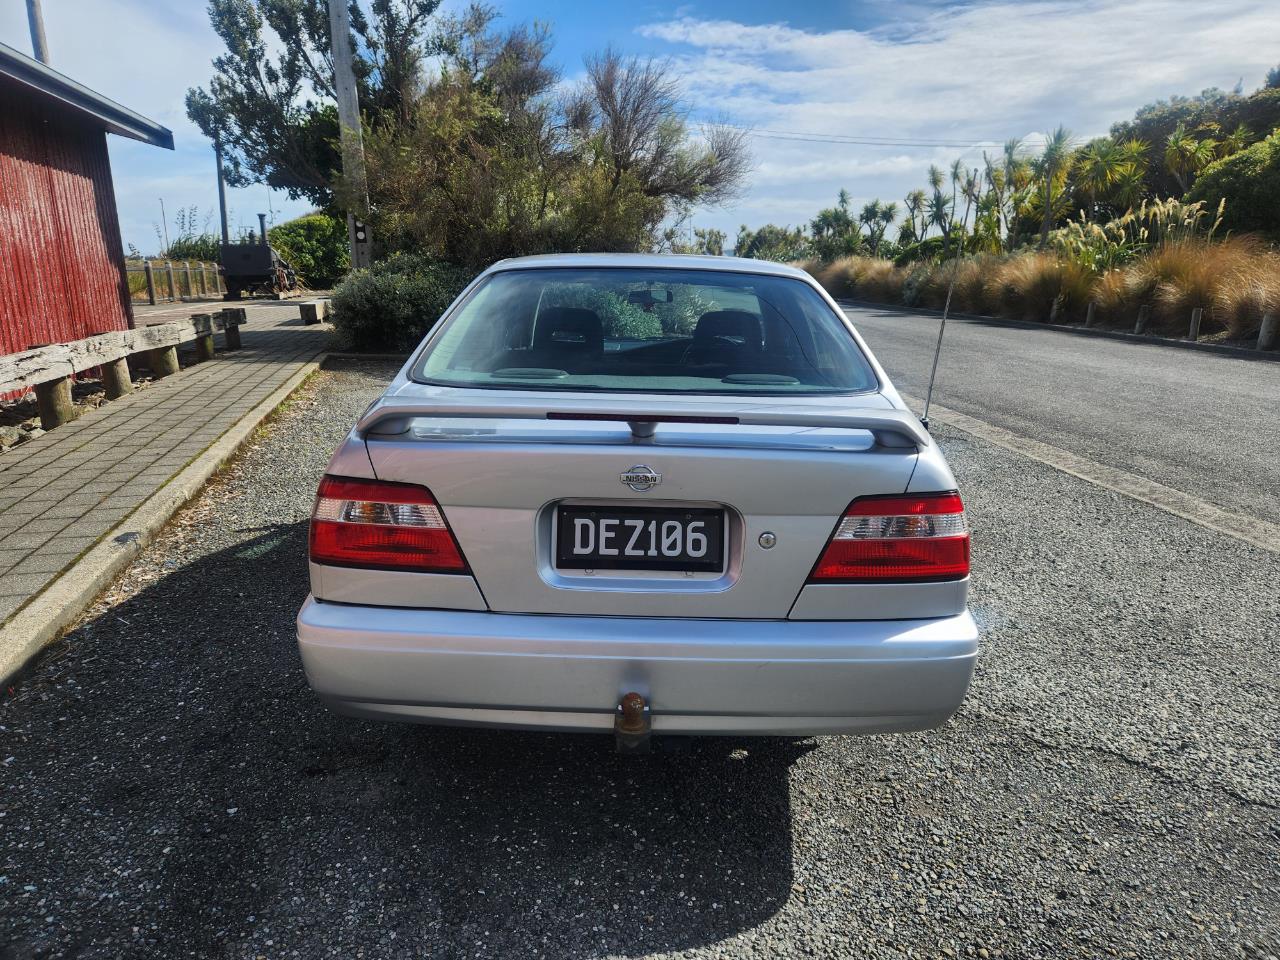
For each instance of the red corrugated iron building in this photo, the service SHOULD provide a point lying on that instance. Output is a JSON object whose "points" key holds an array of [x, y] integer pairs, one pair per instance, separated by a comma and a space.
{"points": [[62, 272]]}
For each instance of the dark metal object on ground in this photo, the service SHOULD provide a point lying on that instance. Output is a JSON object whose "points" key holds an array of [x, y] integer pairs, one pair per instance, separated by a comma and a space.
{"points": [[254, 268]]}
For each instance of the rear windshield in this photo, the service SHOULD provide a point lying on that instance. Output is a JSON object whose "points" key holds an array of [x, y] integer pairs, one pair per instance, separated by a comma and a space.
{"points": [[651, 331]]}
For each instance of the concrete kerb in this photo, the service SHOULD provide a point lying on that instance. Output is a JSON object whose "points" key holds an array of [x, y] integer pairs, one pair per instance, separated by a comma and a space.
{"points": [[44, 617], [1246, 353]]}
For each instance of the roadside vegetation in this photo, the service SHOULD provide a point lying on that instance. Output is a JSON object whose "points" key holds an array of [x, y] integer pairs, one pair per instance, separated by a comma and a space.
{"points": [[315, 245], [475, 148], [1177, 209]]}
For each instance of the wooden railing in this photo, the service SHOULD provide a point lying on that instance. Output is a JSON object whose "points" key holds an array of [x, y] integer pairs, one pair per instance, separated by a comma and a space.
{"points": [[49, 368], [153, 281]]}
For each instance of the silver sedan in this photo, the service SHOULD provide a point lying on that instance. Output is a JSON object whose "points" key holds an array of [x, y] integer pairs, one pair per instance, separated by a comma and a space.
{"points": [[628, 493]]}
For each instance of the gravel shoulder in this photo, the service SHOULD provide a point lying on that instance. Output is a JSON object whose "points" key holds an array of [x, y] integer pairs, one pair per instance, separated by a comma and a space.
{"points": [[169, 787]]}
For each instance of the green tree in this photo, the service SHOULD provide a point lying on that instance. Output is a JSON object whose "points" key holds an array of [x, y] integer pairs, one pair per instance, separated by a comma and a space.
{"points": [[705, 242], [1052, 169], [909, 232], [496, 159], [1247, 184], [877, 217], [270, 100], [316, 246], [1185, 156], [834, 231], [771, 242]]}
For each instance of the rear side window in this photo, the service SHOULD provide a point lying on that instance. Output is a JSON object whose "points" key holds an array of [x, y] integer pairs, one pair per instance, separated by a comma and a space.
{"points": [[650, 331]]}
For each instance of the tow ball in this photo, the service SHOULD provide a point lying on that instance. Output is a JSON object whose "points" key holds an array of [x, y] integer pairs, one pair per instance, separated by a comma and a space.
{"points": [[631, 724]]}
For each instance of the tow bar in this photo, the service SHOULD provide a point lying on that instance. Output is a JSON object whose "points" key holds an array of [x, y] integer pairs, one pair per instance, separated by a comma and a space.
{"points": [[631, 724]]}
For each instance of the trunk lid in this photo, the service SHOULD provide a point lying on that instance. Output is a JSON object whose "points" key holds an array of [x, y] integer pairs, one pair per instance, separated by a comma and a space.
{"points": [[500, 475]]}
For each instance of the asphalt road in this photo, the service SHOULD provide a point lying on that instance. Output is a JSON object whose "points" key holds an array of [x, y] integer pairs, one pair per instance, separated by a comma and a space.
{"points": [[170, 788], [1202, 423]]}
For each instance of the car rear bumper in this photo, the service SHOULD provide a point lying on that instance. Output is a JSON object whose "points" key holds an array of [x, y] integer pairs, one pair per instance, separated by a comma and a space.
{"points": [[781, 677]]}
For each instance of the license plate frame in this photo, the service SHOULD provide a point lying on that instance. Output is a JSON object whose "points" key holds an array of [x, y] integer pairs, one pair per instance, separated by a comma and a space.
{"points": [[568, 537]]}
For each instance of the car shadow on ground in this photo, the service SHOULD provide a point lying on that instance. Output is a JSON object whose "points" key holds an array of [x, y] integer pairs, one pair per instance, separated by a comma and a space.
{"points": [[189, 794]]}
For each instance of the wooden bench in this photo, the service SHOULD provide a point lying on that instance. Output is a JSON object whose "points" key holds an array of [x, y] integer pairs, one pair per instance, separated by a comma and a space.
{"points": [[49, 368]]}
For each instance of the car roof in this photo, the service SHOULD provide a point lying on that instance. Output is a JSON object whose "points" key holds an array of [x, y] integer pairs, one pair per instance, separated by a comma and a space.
{"points": [[654, 261]]}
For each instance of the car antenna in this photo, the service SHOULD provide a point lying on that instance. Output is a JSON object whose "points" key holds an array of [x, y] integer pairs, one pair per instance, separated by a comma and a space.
{"points": [[946, 309]]}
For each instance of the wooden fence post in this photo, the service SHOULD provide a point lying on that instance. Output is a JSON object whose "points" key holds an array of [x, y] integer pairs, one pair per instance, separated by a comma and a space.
{"points": [[115, 378], [1144, 312], [173, 284], [151, 282], [1267, 333], [1196, 315], [191, 287], [162, 361], [1089, 314], [204, 279], [53, 400]]}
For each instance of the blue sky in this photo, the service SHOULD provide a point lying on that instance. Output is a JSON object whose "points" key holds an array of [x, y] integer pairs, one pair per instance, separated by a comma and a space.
{"points": [[921, 70]]}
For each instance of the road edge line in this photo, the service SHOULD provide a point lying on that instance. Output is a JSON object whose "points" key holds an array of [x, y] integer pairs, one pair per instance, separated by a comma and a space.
{"points": [[44, 618], [1256, 532]]}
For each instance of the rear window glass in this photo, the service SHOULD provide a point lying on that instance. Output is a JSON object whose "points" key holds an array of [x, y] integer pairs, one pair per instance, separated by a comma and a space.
{"points": [[651, 331]]}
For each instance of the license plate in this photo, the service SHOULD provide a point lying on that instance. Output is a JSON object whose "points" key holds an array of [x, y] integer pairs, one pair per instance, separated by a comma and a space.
{"points": [[639, 538]]}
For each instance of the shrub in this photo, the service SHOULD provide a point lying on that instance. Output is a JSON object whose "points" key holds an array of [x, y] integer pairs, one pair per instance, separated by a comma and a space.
{"points": [[880, 281], [1175, 278], [618, 316], [973, 281], [1250, 289], [1026, 287], [928, 250], [392, 305], [1248, 183], [1116, 297], [316, 246], [201, 246], [836, 277]]}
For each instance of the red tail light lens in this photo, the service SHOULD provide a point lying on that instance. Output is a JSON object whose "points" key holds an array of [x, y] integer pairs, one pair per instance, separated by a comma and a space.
{"points": [[379, 525], [897, 539]]}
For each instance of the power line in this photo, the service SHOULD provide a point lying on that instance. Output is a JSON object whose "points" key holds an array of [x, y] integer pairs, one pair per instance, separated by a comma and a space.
{"points": [[868, 140]]}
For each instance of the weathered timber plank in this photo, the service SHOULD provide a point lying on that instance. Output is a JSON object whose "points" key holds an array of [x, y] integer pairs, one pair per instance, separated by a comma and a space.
{"points": [[18, 371]]}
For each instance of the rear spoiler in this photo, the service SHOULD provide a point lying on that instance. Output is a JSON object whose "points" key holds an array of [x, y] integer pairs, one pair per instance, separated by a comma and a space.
{"points": [[891, 428]]}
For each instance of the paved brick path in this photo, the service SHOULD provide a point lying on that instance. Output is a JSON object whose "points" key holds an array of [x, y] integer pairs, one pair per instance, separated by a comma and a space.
{"points": [[62, 491]]}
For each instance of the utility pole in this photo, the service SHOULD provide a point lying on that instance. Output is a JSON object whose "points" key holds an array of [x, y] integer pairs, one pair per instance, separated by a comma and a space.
{"points": [[344, 83], [36, 19], [222, 191]]}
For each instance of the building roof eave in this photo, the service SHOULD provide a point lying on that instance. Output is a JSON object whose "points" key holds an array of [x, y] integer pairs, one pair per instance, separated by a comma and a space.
{"points": [[110, 115]]}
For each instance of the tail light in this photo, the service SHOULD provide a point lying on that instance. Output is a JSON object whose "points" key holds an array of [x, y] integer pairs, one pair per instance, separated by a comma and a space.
{"points": [[382, 526], [897, 539]]}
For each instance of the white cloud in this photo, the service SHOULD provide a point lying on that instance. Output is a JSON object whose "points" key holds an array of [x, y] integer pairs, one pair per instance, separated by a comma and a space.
{"points": [[991, 69]]}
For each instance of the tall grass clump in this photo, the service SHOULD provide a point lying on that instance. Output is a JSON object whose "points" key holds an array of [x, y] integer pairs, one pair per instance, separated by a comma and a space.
{"points": [[1235, 281], [1025, 287], [859, 278], [1250, 289], [1177, 277], [880, 281]]}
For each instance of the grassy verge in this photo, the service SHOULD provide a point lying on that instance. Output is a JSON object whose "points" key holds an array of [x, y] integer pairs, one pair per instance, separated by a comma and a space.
{"points": [[1235, 282]]}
